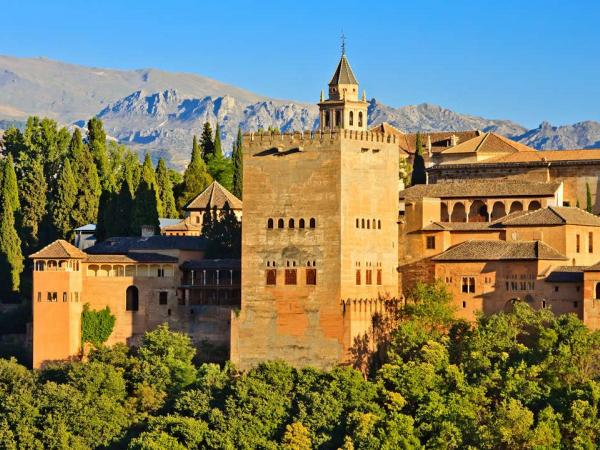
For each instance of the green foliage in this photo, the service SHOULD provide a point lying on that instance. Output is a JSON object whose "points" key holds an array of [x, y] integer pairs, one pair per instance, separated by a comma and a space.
{"points": [[84, 168], [11, 258], [96, 326], [63, 205], [237, 166], [223, 232], [218, 151], [589, 207], [195, 178], [418, 175], [405, 172], [207, 145], [9, 190], [146, 208], [97, 145], [32, 193], [221, 170], [165, 190]]}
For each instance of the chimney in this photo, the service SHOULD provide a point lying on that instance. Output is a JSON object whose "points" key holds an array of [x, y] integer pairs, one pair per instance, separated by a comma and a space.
{"points": [[453, 140], [148, 230]]}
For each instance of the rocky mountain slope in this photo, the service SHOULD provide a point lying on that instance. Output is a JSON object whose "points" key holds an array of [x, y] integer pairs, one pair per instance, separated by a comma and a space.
{"points": [[159, 112]]}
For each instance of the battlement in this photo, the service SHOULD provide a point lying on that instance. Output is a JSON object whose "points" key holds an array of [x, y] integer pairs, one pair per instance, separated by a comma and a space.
{"points": [[258, 140]]}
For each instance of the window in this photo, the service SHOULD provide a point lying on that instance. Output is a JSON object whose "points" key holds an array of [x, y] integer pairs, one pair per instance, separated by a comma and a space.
{"points": [[430, 242], [577, 243], [591, 242], [311, 276], [326, 119], [76, 297], [379, 274], [270, 224], [280, 223], [369, 276], [313, 222], [351, 119], [363, 223], [301, 223], [575, 304], [132, 299], [358, 277], [163, 297], [555, 288], [52, 296], [379, 224], [468, 285], [271, 277], [360, 119], [357, 223], [464, 304], [291, 223], [290, 276], [338, 119], [543, 303], [160, 272], [65, 297], [39, 296], [368, 224]]}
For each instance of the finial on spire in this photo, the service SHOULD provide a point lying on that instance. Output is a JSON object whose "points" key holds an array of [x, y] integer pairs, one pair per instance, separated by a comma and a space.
{"points": [[321, 96], [343, 38], [364, 97]]}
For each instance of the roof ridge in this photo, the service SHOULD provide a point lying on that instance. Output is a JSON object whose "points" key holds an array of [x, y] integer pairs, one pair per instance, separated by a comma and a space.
{"points": [[561, 217], [486, 135]]}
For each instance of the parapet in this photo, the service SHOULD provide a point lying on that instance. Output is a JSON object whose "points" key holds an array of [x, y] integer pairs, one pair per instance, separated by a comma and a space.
{"points": [[260, 140]]}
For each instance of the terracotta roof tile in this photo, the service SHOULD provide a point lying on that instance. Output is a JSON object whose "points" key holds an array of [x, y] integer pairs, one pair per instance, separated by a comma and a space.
{"points": [[488, 250], [214, 195], [488, 143], [554, 215], [59, 249], [184, 225], [481, 188], [133, 257]]}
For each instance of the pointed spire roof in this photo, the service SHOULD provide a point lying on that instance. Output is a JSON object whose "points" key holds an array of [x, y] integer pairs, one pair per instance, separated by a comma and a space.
{"points": [[214, 195], [59, 249], [343, 74]]}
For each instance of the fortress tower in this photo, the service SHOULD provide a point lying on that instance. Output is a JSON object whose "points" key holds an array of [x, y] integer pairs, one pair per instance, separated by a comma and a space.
{"points": [[320, 235]]}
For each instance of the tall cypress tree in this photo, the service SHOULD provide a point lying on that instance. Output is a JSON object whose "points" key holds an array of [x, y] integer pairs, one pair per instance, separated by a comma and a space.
{"points": [[589, 207], [132, 171], [32, 193], [86, 176], [195, 178], [97, 146], [218, 151], [11, 258], [122, 221], [419, 175], [206, 142], [238, 166], [9, 185], [64, 202], [145, 211], [165, 190], [149, 176]]}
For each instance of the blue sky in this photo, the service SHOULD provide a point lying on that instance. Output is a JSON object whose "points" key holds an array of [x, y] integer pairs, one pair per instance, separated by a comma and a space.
{"points": [[522, 60]]}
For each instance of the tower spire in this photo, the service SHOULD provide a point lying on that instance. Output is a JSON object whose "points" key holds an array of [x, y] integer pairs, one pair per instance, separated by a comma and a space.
{"points": [[343, 39]]}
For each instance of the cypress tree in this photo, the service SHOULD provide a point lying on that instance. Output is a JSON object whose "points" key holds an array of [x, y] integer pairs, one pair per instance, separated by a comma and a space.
{"points": [[218, 152], [86, 177], [206, 143], [97, 146], [104, 223], [145, 210], [124, 205], [11, 258], [32, 190], [238, 168], [10, 188], [149, 176], [418, 174], [132, 170], [589, 207], [64, 203], [195, 178], [165, 190]]}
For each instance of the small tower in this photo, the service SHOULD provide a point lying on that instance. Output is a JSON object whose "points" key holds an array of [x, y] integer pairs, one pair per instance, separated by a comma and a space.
{"points": [[343, 109]]}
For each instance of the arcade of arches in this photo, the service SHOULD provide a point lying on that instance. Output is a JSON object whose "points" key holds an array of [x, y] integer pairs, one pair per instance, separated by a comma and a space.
{"points": [[484, 211]]}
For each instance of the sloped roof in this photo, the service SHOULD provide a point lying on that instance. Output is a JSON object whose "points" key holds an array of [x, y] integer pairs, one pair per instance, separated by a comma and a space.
{"points": [[488, 143], [343, 74], [554, 215], [134, 257], [488, 250], [215, 195], [123, 245], [481, 188], [59, 249], [224, 264], [182, 225], [548, 156], [458, 226], [566, 274]]}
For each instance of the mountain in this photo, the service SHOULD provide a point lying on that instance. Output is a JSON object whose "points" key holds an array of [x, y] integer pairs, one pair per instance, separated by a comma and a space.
{"points": [[155, 111]]}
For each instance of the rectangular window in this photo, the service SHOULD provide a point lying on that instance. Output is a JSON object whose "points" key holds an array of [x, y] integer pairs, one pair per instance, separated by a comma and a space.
{"points": [[577, 243], [65, 298], [76, 297], [311, 276], [271, 277], [430, 242], [161, 272], [39, 296], [358, 277], [163, 297], [591, 242], [379, 275], [369, 276], [468, 285], [290, 276], [575, 304]]}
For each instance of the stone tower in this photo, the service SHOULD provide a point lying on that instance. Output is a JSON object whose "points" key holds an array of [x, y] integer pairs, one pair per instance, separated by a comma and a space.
{"points": [[320, 238], [343, 109]]}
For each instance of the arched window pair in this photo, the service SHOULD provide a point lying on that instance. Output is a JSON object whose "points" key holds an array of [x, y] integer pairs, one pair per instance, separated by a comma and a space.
{"points": [[291, 223]]}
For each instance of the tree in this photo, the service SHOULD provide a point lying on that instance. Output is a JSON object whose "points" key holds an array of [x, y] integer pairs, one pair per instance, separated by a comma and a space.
{"points": [[9, 185], [418, 175], [589, 207], [88, 182], [149, 176], [195, 178], [132, 170], [238, 166], [11, 258], [165, 190], [405, 172], [206, 142], [32, 190], [97, 145], [145, 209], [223, 232], [64, 203], [221, 170]]}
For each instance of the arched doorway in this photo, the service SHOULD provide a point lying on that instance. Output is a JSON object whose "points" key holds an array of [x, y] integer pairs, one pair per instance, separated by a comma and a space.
{"points": [[132, 302], [516, 206], [498, 210], [459, 213], [478, 212]]}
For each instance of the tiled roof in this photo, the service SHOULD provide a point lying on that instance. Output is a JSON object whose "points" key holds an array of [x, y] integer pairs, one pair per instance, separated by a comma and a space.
{"points": [[182, 226], [554, 215], [549, 156], [488, 143], [132, 257], [225, 264], [214, 195], [343, 73], [123, 245], [59, 249], [488, 250], [593, 268], [457, 226], [566, 274], [481, 188]]}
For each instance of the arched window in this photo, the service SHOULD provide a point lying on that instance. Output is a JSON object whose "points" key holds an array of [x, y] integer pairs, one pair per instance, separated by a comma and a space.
{"points": [[301, 223], [270, 224], [360, 119], [357, 223], [597, 290], [313, 222], [291, 223], [368, 224], [326, 114], [280, 223], [351, 118], [534, 205], [379, 224], [363, 223], [132, 299], [338, 119]]}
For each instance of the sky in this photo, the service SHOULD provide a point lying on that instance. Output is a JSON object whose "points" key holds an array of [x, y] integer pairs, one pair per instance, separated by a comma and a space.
{"points": [[527, 61]]}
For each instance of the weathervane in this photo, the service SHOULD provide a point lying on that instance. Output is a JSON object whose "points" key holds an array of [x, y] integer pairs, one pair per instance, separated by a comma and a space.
{"points": [[343, 38]]}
